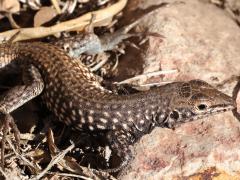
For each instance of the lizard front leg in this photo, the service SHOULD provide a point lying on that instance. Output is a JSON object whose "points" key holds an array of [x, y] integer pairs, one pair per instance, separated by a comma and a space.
{"points": [[16, 97], [119, 142]]}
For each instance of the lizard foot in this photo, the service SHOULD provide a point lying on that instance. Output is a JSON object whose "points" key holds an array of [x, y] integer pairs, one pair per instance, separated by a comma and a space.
{"points": [[122, 165]]}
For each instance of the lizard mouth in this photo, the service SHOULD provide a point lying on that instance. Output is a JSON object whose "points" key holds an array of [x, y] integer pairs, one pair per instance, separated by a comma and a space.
{"points": [[175, 118], [222, 108], [215, 110], [211, 111]]}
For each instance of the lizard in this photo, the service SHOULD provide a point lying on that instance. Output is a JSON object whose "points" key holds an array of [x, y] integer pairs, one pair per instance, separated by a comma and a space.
{"points": [[77, 99], [75, 96]]}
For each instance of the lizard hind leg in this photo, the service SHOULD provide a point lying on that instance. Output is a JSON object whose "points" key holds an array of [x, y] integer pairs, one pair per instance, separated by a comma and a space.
{"points": [[119, 142]]}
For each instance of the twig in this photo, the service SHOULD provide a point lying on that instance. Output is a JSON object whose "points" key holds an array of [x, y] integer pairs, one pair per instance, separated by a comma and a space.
{"points": [[155, 84], [100, 64], [3, 173], [56, 6], [147, 75], [69, 6], [12, 21], [71, 175], [20, 156], [54, 161]]}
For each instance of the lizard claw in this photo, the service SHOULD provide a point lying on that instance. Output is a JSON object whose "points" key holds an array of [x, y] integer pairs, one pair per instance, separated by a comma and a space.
{"points": [[6, 124]]}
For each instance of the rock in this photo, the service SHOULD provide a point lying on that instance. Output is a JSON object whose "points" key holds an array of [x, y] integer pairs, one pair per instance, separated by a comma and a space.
{"points": [[192, 150], [201, 42]]}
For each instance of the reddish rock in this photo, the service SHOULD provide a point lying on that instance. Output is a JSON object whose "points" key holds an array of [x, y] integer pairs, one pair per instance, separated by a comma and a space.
{"points": [[193, 148], [201, 42]]}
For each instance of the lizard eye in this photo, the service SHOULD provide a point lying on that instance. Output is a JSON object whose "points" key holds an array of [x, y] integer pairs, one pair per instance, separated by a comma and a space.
{"points": [[202, 107]]}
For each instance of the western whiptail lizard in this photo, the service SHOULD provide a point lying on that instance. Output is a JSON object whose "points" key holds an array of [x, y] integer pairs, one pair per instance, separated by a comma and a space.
{"points": [[77, 99]]}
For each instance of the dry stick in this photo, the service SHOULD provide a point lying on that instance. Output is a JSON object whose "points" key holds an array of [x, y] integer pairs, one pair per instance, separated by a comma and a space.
{"points": [[20, 156], [155, 84], [69, 6], [116, 64], [56, 6], [100, 64], [71, 175], [12, 21], [147, 75], [3, 173], [77, 24], [54, 161]]}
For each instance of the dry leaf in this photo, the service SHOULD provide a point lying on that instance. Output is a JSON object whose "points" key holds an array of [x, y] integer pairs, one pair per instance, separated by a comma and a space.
{"points": [[10, 6], [45, 14], [103, 17]]}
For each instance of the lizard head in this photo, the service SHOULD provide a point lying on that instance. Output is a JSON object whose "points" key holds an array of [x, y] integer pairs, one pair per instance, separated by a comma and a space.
{"points": [[194, 100]]}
